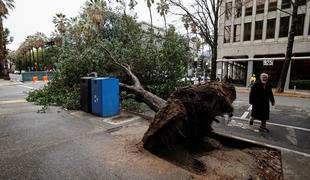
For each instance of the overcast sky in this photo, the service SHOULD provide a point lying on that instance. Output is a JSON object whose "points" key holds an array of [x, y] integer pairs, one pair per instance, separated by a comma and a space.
{"points": [[31, 16]]}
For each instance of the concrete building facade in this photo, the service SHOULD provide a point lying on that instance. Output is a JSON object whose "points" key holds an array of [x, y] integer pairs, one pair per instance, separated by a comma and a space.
{"points": [[253, 38]]}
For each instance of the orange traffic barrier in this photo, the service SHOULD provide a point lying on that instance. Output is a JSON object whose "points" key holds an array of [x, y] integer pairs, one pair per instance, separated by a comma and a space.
{"points": [[44, 78], [34, 78]]}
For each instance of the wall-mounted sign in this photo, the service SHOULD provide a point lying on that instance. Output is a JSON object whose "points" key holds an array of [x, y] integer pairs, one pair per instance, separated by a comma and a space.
{"points": [[268, 62]]}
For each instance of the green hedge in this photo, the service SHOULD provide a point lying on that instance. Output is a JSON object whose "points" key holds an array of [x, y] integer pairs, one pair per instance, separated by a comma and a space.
{"points": [[300, 84]]}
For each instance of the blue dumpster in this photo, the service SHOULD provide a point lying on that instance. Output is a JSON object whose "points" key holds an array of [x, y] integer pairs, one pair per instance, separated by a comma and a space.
{"points": [[105, 96]]}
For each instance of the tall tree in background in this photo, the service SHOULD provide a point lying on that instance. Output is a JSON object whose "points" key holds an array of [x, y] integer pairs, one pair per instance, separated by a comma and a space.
{"points": [[162, 9], [149, 5], [290, 43], [5, 5], [95, 10], [60, 22], [204, 16]]}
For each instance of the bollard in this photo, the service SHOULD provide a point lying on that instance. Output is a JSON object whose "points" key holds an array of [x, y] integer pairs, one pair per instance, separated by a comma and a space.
{"points": [[34, 79], [294, 89]]}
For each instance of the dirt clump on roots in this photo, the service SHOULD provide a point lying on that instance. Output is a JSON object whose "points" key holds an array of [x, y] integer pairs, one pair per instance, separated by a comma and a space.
{"points": [[188, 115]]}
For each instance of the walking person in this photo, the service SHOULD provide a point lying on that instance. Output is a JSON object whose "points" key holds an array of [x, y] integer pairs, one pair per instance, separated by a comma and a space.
{"points": [[260, 97], [252, 80]]}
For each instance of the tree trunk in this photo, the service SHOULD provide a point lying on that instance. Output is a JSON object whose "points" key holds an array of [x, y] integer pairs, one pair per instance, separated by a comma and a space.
{"points": [[150, 11], [289, 50], [33, 58], [165, 23], [150, 99], [37, 51], [42, 56], [214, 52], [1, 48], [29, 59]]}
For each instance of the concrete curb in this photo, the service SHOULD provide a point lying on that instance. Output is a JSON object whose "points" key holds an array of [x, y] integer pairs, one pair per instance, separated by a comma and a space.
{"points": [[285, 94]]}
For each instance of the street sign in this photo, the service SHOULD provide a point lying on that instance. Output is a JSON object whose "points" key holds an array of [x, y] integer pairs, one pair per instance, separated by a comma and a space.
{"points": [[268, 62]]}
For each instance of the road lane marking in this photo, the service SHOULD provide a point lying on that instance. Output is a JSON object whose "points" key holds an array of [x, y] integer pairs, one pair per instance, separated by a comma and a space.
{"points": [[27, 87], [244, 115], [13, 101], [291, 136], [275, 124]]}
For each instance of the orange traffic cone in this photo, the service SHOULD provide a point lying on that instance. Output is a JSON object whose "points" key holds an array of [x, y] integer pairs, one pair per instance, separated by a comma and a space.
{"points": [[34, 79], [45, 78]]}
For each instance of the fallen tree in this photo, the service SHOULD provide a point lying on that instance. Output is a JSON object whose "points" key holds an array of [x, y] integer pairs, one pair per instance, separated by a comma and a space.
{"points": [[188, 114]]}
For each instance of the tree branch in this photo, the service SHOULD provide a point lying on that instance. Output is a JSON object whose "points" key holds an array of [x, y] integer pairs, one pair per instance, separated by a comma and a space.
{"points": [[127, 67]]}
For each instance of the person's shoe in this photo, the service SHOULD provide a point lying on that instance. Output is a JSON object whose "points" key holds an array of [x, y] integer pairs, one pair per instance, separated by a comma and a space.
{"points": [[251, 121], [263, 129]]}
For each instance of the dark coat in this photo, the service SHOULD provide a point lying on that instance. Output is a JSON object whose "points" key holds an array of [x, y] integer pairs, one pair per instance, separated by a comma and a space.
{"points": [[259, 98]]}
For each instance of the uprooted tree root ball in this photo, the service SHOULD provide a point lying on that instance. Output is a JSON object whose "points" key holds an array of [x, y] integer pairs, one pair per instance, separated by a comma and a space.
{"points": [[188, 114]]}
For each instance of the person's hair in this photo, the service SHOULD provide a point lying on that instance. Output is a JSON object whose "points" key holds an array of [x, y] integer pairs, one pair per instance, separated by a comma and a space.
{"points": [[264, 74]]}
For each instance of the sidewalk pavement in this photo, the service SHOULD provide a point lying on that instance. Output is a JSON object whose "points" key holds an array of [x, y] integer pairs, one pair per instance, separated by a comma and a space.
{"points": [[295, 160], [287, 93], [9, 83]]}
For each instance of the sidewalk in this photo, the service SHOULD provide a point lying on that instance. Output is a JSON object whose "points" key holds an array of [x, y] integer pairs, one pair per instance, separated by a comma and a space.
{"points": [[9, 83], [287, 93], [295, 160]]}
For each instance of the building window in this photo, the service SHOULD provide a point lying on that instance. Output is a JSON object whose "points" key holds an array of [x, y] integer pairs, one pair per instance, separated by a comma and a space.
{"points": [[247, 31], [309, 29], [284, 24], [248, 7], [258, 30], [302, 2], [260, 4], [237, 32], [271, 27], [228, 10], [272, 6], [286, 4], [300, 24], [238, 8], [227, 34]]}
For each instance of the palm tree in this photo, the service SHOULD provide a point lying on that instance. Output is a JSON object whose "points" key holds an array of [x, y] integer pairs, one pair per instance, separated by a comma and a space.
{"points": [[5, 5], [60, 22], [95, 11], [75, 28], [30, 46], [39, 42], [149, 5], [86, 30], [162, 9]]}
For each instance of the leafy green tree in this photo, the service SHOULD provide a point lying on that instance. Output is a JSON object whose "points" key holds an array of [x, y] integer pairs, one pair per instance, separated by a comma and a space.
{"points": [[150, 66]]}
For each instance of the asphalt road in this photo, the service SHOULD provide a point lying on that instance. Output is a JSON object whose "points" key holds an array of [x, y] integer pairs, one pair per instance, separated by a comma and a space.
{"points": [[289, 123]]}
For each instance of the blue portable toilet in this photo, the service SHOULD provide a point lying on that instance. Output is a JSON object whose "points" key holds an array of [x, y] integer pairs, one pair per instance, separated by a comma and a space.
{"points": [[105, 96]]}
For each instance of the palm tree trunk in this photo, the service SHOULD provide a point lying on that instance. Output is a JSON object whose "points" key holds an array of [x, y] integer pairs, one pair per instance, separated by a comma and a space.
{"points": [[165, 20], [150, 11], [32, 56], [1, 48], [37, 50], [42, 55], [289, 50]]}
